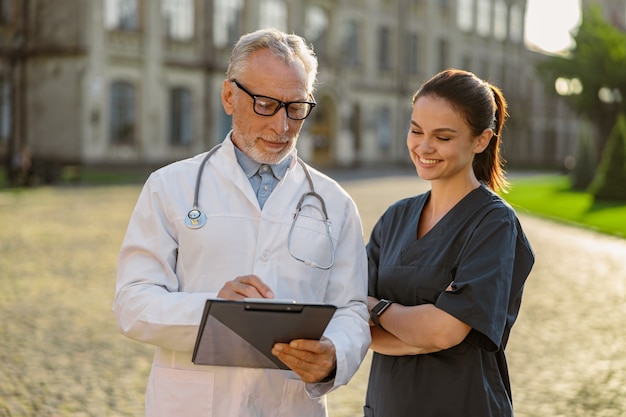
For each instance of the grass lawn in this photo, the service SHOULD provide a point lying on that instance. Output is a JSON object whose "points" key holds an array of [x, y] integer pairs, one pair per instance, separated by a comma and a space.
{"points": [[550, 196]]}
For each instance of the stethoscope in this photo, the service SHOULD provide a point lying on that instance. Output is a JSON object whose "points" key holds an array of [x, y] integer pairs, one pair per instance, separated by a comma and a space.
{"points": [[196, 218]]}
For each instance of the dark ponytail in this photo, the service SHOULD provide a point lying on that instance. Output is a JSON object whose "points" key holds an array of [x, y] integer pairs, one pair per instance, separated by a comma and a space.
{"points": [[489, 165]]}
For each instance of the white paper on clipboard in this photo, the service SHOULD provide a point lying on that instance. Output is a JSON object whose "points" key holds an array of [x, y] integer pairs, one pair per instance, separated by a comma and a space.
{"points": [[242, 333]]}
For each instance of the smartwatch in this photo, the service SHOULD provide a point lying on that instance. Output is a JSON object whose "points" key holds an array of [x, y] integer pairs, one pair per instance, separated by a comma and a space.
{"points": [[378, 311]]}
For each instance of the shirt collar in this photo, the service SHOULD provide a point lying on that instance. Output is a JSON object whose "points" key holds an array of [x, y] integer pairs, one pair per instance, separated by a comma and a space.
{"points": [[251, 167]]}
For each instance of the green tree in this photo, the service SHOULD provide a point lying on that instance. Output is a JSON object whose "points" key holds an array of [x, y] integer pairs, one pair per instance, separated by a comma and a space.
{"points": [[609, 183], [597, 63]]}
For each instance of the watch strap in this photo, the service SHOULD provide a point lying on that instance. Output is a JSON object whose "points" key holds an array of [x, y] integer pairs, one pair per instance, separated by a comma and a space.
{"points": [[378, 311]]}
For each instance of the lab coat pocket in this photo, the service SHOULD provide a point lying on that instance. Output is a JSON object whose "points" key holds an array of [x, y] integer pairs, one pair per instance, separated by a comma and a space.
{"points": [[296, 401], [310, 239], [177, 392]]}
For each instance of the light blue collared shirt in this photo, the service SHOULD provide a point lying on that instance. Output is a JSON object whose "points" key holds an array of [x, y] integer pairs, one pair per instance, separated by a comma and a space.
{"points": [[263, 177]]}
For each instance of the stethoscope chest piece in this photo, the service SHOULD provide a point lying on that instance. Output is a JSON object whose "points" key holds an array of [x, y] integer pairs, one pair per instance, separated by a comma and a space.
{"points": [[195, 219]]}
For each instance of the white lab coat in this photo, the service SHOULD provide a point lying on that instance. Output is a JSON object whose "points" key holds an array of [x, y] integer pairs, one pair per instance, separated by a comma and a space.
{"points": [[166, 271]]}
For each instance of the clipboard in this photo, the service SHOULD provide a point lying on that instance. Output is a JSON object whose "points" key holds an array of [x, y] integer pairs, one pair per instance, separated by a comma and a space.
{"points": [[242, 333]]}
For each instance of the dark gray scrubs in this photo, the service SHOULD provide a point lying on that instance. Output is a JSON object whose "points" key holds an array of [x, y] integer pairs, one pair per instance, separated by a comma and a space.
{"points": [[479, 246]]}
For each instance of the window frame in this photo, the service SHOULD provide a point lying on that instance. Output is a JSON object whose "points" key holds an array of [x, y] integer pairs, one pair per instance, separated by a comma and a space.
{"points": [[118, 20], [122, 113], [180, 116], [179, 19], [383, 44]]}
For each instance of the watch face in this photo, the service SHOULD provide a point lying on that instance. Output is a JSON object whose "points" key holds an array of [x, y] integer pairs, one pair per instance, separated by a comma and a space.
{"points": [[381, 306], [378, 310]]}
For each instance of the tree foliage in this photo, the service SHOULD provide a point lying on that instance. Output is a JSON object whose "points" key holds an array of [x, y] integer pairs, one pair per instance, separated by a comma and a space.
{"points": [[597, 61]]}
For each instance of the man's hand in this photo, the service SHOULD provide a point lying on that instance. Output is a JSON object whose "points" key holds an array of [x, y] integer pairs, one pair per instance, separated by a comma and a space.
{"points": [[312, 360], [247, 286]]}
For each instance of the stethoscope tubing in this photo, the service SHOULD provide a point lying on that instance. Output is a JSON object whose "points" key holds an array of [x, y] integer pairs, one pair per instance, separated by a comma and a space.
{"points": [[196, 218]]}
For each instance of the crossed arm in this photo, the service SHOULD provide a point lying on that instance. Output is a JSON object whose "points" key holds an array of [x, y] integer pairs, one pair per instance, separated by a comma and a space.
{"points": [[415, 330]]}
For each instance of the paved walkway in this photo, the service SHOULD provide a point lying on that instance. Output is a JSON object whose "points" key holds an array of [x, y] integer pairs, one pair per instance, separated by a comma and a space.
{"points": [[567, 352], [62, 354]]}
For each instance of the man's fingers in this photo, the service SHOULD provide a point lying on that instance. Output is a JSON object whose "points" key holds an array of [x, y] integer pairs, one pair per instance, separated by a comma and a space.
{"points": [[312, 360], [301, 362], [262, 290], [247, 286]]}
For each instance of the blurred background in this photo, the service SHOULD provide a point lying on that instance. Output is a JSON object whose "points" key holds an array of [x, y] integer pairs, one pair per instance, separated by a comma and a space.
{"points": [[97, 92], [135, 84]]}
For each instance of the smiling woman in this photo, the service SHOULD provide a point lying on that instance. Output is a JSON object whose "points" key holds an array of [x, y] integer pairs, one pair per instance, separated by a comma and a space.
{"points": [[445, 327], [549, 24]]}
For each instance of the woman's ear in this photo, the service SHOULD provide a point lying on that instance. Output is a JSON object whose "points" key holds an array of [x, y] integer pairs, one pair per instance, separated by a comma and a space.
{"points": [[483, 141], [228, 97]]}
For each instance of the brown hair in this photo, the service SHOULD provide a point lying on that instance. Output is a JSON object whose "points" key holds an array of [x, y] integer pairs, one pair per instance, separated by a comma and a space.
{"points": [[484, 107]]}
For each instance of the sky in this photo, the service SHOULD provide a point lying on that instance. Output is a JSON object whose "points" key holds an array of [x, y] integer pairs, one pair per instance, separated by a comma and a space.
{"points": [[548, 23]]}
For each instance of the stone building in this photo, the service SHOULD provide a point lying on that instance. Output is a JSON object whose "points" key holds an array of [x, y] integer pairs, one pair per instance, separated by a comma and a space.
{"points": [[137, 82]]}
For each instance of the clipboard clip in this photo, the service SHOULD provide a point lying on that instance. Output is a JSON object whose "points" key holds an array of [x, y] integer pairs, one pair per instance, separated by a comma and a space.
{"points": [[289, 308]]}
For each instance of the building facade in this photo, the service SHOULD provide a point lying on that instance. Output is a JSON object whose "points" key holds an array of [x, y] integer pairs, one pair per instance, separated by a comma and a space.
{"points": [[137, 82]]}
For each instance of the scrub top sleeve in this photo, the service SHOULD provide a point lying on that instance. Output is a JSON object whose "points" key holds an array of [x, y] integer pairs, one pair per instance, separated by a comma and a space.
{"points": [[482, 283], [373, 257]]}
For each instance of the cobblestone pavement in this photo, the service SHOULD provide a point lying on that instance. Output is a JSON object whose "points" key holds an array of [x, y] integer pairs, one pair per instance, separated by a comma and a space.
{"points": [[567, 352], [62, 354]]}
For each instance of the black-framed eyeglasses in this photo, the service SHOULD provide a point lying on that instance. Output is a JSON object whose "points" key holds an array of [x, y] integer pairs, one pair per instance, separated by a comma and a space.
{"points": [[268, 106]]}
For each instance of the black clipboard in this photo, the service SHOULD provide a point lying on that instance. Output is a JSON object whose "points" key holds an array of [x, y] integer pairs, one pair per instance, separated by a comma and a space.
{"points": [[242, 333]]}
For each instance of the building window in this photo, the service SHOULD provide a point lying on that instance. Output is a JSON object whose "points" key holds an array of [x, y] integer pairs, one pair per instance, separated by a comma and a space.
{"points": [[179, 22], [121, 14], [273, 14], [466, 62], [516, 23], [123, 119], [225, 125], [351, 44], [484, 69], [443, 54], [384, 49], [465, 15], [316, 29], [226, 22], [180, 116], [501, 20], [483, 18], [5, 110], [412, 54], [383, 129], [6, 10]]}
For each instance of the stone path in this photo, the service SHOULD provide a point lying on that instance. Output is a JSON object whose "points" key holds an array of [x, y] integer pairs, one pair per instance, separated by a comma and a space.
{"points": [[567, 352], [62, 354]]}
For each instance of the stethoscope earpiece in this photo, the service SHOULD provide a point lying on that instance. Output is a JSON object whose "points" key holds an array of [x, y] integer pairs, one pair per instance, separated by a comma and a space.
{"points": [[195, 219]]}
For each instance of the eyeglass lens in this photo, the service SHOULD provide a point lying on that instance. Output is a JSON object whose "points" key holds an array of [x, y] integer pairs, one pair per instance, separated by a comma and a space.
{"points": [[268, 106]]}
